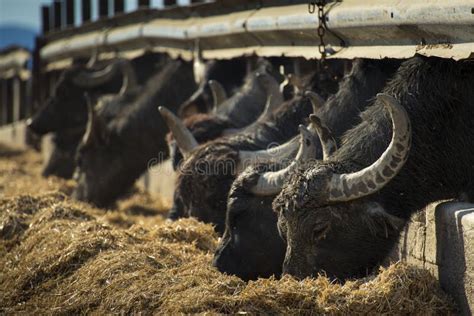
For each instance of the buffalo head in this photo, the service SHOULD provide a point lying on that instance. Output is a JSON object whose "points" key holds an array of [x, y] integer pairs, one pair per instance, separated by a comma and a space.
{"points": [[258, 97], [66, 108], [207, 172], [121, 143], [328, 212], [251, 246], [61, 162], [97, 162]]}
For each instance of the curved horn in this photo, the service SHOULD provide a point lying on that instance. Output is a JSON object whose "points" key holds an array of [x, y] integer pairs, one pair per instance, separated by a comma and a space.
{"points": [[316, 101], [292, 79], [270, 106], [285, 82], [90, 120], [94, 57], [218, 94], [270, 183], [129, 80], [185, 140], [93, 128], [193, 100], [199, 68], [272, 88], [350, 186], [274, 100], [328, 143], [274, 154], [89, 79], [295, 78]]}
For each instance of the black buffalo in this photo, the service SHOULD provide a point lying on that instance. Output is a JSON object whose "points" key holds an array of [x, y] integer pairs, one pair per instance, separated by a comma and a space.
{"points": [[65, 111], [257, 262], [251, 246], [344, 215], [234, 113], [114, 153], [66, 108], [229, 73], [60, 163], [206, 175]]}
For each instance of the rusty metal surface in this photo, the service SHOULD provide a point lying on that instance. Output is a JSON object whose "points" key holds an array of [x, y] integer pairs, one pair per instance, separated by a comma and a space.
{"points": [[371, 29]]}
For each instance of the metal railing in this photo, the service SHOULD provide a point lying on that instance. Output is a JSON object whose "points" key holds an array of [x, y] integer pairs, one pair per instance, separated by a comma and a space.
{"points": [[14, 85], [370, 29]]}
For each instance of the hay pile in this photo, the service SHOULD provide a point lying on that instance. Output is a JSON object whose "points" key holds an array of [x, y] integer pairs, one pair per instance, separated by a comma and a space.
{"points": [[61, 256], [20, 173]]}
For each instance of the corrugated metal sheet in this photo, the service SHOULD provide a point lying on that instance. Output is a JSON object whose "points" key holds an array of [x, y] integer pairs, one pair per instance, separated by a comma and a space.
{"points": [[371, 29]]}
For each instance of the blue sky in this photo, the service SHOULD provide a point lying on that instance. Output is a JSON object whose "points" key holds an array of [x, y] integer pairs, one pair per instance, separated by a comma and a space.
{"points": [[26, 14]]}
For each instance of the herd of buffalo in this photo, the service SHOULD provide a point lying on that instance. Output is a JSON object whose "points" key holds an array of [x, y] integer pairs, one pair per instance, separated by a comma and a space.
{"points": [[303, 167]]}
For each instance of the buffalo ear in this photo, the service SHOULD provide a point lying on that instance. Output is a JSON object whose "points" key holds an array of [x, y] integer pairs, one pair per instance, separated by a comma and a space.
{"points": [[380, 222], [96, 131]]}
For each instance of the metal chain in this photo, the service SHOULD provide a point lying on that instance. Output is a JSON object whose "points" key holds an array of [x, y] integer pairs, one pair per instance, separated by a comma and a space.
{"points": [[321, 30]]}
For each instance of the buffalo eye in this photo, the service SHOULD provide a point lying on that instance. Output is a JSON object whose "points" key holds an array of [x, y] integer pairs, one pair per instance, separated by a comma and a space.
{"points": [[319, 232]]}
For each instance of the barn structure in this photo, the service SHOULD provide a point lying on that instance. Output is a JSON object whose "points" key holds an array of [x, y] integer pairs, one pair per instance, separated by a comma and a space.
{"points": [[440, 239]]}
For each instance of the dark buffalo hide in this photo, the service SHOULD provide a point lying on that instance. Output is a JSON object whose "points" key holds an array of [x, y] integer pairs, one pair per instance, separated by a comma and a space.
{"points": [[349, 239]]}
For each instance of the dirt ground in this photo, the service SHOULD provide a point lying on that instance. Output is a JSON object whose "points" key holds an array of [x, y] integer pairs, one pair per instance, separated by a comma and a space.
{"points": [[61, 256]]}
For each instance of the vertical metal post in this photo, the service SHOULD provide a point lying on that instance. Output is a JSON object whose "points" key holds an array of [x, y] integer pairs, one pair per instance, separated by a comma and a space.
{"points": [[8, 108], [4, 102], [168, 3], [119, 6], [56, 14], [16, 98], [25, 92], [69, 12], [143, 3], [38, 86], [86, 10], [45, 19], [103, 8]]}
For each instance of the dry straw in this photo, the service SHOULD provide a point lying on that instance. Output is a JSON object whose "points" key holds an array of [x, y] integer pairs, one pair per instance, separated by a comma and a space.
{"points": [[61, 256]]}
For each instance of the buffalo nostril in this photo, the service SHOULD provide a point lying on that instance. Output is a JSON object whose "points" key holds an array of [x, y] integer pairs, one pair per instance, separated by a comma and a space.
{"points": [[223, 259], [217, 262], [31, 125], [296, 272], [289, 269], [76, 175]]}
